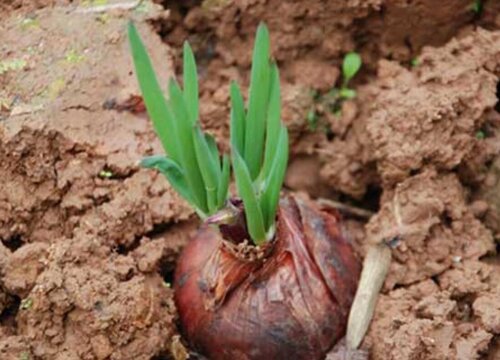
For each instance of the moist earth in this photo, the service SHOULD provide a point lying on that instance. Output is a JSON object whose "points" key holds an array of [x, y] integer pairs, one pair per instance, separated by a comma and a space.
{"points": [[89, 240]]}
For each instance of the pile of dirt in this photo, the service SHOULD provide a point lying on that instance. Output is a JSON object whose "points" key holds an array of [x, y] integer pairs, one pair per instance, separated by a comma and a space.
{"points": [[89, 240]]}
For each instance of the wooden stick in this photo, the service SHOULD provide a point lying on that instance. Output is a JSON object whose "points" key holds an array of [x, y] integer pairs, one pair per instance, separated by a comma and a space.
{"points": [[375, 267]]}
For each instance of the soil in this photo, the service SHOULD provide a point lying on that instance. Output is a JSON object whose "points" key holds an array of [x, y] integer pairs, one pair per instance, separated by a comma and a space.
{"points": [[89, 240]]}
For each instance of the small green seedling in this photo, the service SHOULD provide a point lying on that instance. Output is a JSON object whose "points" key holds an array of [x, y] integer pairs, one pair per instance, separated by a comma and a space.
{"points": [[30, 22], [192, 164], [335, 97], [26, 304], [480, 135], [477, 7], [12, 65], [73, 57], [259, 142], [414, 62], [350, 67], [105, 174]]}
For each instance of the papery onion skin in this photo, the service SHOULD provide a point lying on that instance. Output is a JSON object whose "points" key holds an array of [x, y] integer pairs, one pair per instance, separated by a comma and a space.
{"points": [[292, 302]]}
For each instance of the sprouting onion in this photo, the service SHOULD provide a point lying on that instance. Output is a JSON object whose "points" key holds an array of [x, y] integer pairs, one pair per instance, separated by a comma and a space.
{"points": [[287, 297]]}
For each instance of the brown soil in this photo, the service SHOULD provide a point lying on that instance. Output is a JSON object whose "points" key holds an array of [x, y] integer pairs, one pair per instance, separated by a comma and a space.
{"points": [[89, 240]]}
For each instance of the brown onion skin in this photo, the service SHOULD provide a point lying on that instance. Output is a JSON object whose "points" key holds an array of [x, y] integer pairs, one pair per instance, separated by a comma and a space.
{"points": [[291, 304]]}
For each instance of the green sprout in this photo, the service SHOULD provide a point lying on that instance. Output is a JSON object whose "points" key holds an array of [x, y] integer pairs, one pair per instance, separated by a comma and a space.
{"points": [[477, 7], [30, 22], [480, 135], [334, 98], [259, 142], [414, 62], [11, 65], [105, 174], [350, 67], [26, 304], [72, 56], [193, 166]]}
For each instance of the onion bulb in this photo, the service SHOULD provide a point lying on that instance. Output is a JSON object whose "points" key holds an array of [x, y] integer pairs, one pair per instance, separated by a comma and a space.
{"points": [[288, 299]]}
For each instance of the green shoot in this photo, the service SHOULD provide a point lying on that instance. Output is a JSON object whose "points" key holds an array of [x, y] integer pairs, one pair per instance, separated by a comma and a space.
{"points": [[335, 97], [26, 304], [259, 142], [172, 172], [477, 7], [258, 102], [105, 174], [350, 66], [192, 164], [414, 62], [253, 211], [237, 127]]}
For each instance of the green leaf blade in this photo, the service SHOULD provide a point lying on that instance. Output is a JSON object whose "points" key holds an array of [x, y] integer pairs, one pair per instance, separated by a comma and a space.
{"points": [[214, 153], [207, 167], [154, 100], [253, 212], [274, 181], [346, 93], [222, 188], [185, 137], [351, 65], [172, 172], [257, 103], [190, 83], [237, 126], [273, 122]]}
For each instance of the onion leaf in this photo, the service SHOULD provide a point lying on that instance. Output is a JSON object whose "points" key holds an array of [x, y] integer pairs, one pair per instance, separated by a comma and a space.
{"points": [[172, 172], [273, 122], [237, 127], [190, 83], [208, 168], [154, 100], [274, 181], [214, 153], [222, 188], [188, 155], [257, 102], [193, 166], [253, 212]]}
